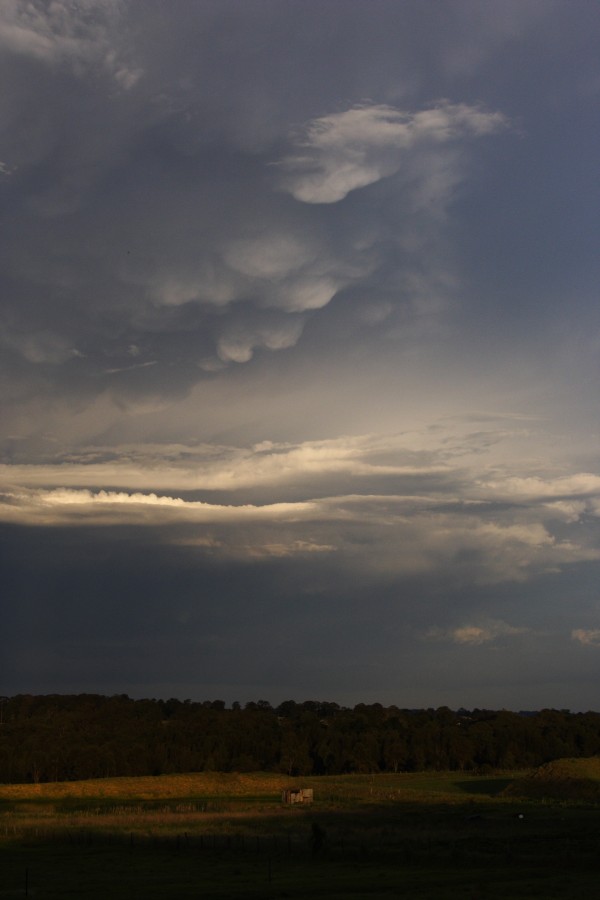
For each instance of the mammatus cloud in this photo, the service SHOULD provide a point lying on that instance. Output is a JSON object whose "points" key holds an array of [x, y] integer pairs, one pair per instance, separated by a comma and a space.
{"points": [[225, 283], [238, 344], [290, 269], [589, 637], [278, 270], [341, 152]]}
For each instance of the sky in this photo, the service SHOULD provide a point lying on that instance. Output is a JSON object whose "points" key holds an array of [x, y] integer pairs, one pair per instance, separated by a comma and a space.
{"points": [[299, 343]]}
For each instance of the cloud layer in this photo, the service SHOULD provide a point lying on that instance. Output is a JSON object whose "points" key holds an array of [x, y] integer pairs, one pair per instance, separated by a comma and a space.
{"points": [[299, 330]]}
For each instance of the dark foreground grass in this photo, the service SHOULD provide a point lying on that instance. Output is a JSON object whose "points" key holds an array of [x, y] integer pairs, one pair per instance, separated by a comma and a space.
{"points": [[447, 838], [144, 872]]}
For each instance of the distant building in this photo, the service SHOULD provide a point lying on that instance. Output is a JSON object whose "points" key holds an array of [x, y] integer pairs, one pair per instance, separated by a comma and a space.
{"points": [[297, 795]]}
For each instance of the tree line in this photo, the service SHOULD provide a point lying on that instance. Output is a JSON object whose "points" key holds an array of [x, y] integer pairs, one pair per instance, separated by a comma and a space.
{"points": [[63, 738]]}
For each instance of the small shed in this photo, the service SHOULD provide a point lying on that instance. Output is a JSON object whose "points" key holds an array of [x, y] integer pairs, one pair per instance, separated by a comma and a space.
{"points": [[297, 795]]}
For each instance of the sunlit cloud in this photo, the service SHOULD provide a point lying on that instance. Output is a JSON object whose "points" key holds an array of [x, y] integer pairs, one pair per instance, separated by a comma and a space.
{"points": [[342, 152], [66, 506], [533, 488], [476, 634], [239, 344], [411, 503], [589, 637], [376, 533], [293, 548], [213, 467]]}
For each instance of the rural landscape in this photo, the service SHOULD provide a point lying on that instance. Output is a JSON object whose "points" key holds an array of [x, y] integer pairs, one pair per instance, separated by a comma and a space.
{"points": [[421, 827], [299, 469]]}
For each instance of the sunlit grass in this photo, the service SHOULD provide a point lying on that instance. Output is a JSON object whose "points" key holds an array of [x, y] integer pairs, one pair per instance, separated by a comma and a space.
{"points": [[214, 802], [424, 835], [148, 787]]}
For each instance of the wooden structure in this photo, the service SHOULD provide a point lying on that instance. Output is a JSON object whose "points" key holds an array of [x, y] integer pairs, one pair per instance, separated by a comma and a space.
{"points": [[297, 795]]}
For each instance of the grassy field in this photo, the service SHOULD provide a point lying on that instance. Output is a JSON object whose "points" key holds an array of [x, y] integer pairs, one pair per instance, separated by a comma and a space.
{"points": [[430, 835]]}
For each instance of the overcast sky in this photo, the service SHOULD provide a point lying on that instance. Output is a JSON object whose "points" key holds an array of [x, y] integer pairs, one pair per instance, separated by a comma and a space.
{"points": [[300, 335]]}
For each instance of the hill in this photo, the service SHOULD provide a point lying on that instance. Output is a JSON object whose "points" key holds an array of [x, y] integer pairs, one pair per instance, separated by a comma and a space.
{"points": [[561, 779]]}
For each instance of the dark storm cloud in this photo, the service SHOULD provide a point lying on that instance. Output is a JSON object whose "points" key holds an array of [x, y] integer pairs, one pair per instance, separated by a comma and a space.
{"points": [[299, 348], [145, 228]]}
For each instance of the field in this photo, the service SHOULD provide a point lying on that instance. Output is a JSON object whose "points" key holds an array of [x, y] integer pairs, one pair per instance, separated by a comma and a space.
{"points": [[430, 835]]}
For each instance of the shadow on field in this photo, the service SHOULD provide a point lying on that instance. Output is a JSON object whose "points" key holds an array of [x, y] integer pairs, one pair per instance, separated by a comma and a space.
{"points": [[489, 787], [404, 849]]}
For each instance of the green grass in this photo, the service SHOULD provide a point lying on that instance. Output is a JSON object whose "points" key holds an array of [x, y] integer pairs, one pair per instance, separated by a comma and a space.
{"points": [[429, 835]]}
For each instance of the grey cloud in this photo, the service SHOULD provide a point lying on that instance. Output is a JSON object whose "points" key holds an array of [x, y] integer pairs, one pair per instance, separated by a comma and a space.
{"points": [[478, 30], [209, 620], [43, 347], [82, 35], [153, 242], [291, 347]]}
